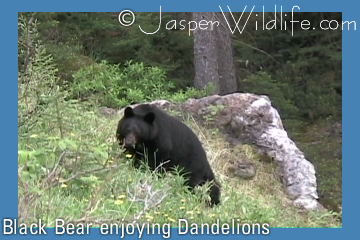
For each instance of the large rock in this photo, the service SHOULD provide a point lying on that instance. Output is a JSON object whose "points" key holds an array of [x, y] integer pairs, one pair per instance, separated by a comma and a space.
{"points": [[249, 118]]}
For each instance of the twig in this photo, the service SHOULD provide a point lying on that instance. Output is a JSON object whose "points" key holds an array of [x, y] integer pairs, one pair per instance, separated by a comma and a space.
{"points": [[257, 49]]}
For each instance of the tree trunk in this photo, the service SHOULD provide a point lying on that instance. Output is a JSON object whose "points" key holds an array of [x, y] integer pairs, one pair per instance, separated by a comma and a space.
{"points": [[213, 54], [226, 68], [205, 56]]}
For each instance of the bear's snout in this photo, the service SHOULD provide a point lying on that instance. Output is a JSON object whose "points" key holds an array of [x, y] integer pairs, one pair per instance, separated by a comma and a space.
{"points": [[130, 141]]}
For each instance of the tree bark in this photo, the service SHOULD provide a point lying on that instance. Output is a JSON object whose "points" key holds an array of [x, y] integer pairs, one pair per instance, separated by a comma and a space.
{"points": [[205, 55], [213, 54]]}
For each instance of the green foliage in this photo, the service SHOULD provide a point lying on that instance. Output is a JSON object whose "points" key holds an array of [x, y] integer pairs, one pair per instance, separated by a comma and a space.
{"points": [[263, 84], [304, 65], [69, 167], [113, 66], [101, 36], [112, 86], [190, 92], [36, 76]]}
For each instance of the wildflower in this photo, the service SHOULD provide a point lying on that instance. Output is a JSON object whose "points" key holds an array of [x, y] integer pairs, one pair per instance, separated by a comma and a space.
{"points": [[61, 180], [166, 215], [171, 220], [119, 202], [128, 155], [64, 185], [190, 212], [157, 213], [72, 134], [183, 200], [182, 208], [33, 135], [121, 196], [149, 217], [212, 215]]}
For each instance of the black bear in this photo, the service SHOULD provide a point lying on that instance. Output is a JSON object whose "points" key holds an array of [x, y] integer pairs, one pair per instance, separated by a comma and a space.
{"points": [[167, 142]]}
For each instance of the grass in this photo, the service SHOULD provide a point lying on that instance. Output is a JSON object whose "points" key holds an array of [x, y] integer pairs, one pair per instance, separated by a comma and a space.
{"points": [[71, 168]]}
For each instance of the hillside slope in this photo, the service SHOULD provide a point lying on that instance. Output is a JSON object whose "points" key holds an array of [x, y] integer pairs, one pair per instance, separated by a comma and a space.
{"points": [[70, 167]]}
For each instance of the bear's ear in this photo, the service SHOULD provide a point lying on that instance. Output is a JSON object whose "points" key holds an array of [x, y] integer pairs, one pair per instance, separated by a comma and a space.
{"points": [[128, 112], [149, 117]]}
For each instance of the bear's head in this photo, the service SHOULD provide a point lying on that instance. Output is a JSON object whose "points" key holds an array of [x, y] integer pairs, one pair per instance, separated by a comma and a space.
{"points": [[136, 128]]}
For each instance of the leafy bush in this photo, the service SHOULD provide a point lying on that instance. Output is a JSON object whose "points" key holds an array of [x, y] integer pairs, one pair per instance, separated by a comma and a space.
{"points": [[112, 86]]}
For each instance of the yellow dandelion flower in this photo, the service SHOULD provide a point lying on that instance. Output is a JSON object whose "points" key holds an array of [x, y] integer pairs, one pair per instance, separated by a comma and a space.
{"points": [[33, 135], [149, 217], [128, 155], [191, 217], [198, 212], [183, 200], [190, 212], [212, 215], [166, 215], [64, 185], [112, 196], [122, 196], [86, 200], [182, 208], [171, 220], [119, 202], [72, 134], [130, 180], [110, 161], [157, 213], [61, 180]]}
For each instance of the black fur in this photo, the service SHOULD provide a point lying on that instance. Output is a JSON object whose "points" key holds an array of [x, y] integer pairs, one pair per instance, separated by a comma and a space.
{"points": [[147, 128]]}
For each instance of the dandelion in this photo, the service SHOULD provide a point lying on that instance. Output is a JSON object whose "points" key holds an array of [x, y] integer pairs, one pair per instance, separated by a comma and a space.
{"points": [[72, 134], [86, 200], [128, 155], [182, 208], [183, 200], [122, 196], [64, 185], [33, 135], [157, 213], [110, 161], [112, 196], [166, 215], [119, 202], [190, 212], [149, 217], [171, 220], [198, 212], [212, 215], [130, 180]]}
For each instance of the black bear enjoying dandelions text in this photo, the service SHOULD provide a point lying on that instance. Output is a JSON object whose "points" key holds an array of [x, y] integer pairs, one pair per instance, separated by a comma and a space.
{"points": [[167, 142]]}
